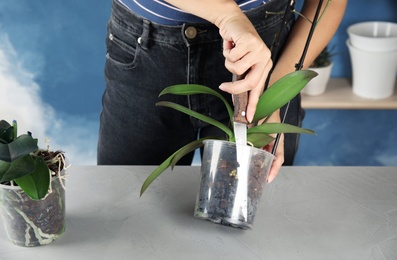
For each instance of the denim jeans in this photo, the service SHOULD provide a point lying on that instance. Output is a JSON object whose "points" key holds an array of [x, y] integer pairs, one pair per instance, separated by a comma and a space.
{"points": [[143, 58]]}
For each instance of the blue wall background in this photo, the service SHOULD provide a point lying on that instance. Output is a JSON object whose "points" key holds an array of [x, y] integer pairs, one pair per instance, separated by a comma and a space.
{"points": [[351, 137], [61, 45]]}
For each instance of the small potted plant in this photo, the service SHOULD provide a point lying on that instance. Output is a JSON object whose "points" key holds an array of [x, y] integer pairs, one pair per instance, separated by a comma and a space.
{"points": [[323, 66], [32, 193], [222, 176]]}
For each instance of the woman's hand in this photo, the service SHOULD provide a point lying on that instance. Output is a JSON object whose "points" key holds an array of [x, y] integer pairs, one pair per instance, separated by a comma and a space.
{"points": [[244, 50], [279, 155]]}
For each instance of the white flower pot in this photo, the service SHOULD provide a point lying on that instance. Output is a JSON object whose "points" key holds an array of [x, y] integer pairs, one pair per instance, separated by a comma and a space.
{"points": [[318, 84], [374, 36], [374, 73]]}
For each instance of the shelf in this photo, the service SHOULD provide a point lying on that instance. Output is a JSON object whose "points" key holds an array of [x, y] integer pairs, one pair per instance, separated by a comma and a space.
{"points": [[339, 95]]}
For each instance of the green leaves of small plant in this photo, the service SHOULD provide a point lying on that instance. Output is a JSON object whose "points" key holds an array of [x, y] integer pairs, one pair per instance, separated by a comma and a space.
{"points": [[6, 132], [19, 163], [21, 146], [13, 147], [18, 168], [36, 184]]}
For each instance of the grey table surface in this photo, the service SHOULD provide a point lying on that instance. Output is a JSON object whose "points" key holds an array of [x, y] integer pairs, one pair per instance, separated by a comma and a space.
{"points": [[306, 213]]}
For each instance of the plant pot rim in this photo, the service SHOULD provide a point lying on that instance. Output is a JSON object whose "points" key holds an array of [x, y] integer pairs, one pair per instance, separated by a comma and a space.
{"points": [[234, 144], [9, 187]]}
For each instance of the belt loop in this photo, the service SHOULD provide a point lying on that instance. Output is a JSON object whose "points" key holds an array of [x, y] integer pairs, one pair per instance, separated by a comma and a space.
{"points": [[185, 39], [144, 39]]}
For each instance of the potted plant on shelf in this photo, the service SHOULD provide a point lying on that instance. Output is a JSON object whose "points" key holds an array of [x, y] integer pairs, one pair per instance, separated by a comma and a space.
{"points": [[219, 168], [32, 193], [323, 66]]}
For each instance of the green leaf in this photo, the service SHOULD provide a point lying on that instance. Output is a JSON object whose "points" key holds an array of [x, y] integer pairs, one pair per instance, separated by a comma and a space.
{"points": [[172, 160], [156, 173], [259, 140], [21, 146], [192, 89], [18, 168], [4, 166], [281, 92], [36, 184], [274, 128], [199, 116], [6, 132], [259, 135], [190, 147]]}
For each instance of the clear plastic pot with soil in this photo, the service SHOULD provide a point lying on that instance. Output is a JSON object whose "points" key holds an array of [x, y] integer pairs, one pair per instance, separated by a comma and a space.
{"points": [[33, 222], [230, 194]]}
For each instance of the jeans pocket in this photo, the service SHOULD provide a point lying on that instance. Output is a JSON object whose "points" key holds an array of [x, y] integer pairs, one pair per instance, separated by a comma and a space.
{"points": [[122, 49]]}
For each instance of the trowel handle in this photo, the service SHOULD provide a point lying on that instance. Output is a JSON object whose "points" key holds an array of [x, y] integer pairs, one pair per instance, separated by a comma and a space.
{"points": [[240, 103]]}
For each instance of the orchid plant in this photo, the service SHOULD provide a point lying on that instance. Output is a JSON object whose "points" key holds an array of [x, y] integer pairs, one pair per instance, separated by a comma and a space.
{"points": [[22, 163], [259, 135]]}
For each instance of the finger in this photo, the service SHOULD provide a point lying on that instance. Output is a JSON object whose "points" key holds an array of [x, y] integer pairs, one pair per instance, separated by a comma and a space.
{"points": [[275, 168], [234, 53], [236, 87], [251, 80], [227, 47], [237, 68], [250, 83], [240, 58], [253, 98], [279, 160]]}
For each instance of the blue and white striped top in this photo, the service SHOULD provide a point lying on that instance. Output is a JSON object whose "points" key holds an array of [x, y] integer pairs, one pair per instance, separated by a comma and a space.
{"points": [[161, 12]]}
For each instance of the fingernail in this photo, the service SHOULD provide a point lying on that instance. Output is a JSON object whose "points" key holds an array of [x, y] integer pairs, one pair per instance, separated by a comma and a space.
{"points": [[250, 118]]}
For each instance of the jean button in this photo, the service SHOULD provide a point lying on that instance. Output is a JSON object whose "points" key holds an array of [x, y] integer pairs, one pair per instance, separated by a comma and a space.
{"points": [[191, 32]]}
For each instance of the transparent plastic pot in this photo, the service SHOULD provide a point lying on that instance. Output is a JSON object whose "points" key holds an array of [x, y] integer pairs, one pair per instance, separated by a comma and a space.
{"points": [[33, 222], [230, 195]]}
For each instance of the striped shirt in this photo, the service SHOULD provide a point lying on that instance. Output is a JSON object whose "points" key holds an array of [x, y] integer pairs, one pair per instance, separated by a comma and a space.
{"points": [[161, 12]]}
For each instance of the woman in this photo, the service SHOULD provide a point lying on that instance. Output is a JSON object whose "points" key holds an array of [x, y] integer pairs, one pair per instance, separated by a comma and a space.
{"points": [[155, 44]]}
